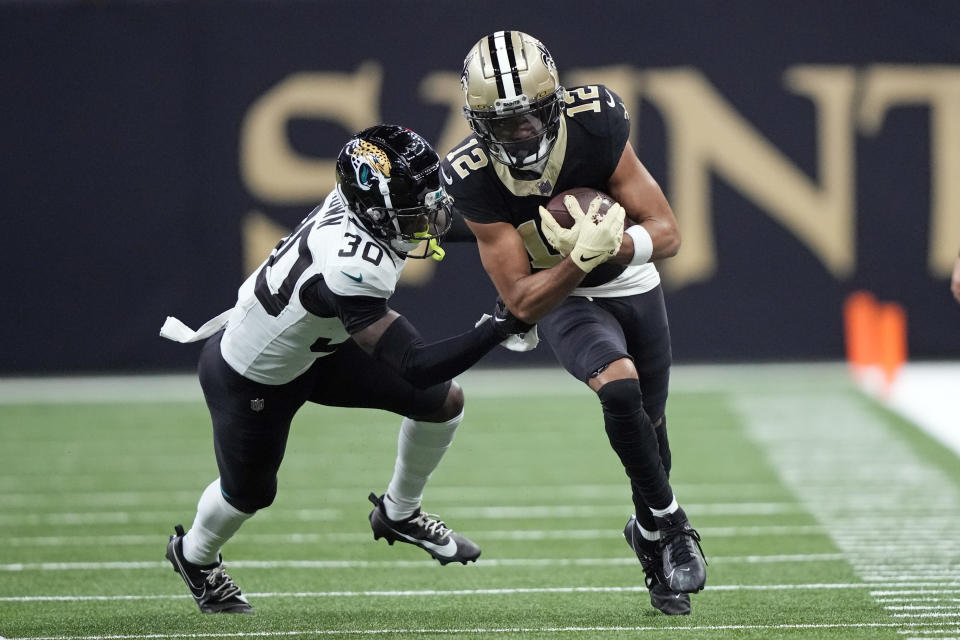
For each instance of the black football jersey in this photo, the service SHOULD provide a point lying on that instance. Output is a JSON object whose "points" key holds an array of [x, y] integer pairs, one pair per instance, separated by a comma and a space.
{"points": [[593, 133]]}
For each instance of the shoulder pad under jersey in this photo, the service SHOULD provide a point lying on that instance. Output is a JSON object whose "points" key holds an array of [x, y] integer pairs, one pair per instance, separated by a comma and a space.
{"points": [[357, 264]]}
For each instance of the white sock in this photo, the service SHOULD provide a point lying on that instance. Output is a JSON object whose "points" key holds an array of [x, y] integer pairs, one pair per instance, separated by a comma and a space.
{"points": [[420, 447], [651, 536], [673, 506], [216, 522]]}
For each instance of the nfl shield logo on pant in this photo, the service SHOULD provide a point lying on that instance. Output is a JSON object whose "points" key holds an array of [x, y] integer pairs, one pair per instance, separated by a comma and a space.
{"points": [[257, 404]]}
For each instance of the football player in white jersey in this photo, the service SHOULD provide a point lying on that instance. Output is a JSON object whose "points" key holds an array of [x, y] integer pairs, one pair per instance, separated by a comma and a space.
{"points": [[312, 324]]}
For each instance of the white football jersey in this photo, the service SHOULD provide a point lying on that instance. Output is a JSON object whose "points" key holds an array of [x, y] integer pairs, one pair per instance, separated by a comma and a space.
{"points": [[270, 337]]}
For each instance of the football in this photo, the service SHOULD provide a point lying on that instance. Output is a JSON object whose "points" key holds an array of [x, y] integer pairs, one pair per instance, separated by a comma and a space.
{"points": [[584, 196]]}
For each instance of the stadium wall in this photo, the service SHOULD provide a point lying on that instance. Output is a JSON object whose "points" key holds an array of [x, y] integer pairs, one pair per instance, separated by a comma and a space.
{"points": [[156, 150]]}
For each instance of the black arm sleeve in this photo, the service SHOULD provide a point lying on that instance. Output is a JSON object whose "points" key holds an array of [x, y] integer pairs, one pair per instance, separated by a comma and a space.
{"points": [[424, 365], [355, 312]]}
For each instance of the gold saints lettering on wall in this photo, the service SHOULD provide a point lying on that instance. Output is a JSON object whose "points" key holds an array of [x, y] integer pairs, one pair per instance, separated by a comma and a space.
{"points": [[705, 137], [274, 172], [937, 87]]}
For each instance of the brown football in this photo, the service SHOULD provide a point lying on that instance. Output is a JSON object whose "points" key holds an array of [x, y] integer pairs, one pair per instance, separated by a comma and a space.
{"points": [[584, 196]]}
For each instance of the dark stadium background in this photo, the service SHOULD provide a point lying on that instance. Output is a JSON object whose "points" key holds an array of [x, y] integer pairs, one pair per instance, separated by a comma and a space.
{"points": [[125, 198]]}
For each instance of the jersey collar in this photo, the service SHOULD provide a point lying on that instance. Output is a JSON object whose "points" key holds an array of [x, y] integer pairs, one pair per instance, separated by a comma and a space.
{"points": [[542, 186]]}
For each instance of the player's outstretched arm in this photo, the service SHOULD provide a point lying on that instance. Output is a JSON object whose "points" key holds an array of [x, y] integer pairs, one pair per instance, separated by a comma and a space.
{"points": [[635, 189], [395, 341]]}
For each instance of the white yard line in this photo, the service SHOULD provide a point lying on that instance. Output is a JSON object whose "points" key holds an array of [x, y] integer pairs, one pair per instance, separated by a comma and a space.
{"points": [[145, 517], [503, 512], [454, 592], [410, 564], [328, 496], [365, 537], [482, 631]]}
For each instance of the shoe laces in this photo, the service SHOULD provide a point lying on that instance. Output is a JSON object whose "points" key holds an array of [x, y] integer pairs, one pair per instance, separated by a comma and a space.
{"points": [[681, 551], [649, 562], [651, 572], [431, 524], [222, 585]]}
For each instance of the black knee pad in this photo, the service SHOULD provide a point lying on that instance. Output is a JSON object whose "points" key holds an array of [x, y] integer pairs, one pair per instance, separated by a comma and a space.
{"points": [[627, 425], [621, 398]]}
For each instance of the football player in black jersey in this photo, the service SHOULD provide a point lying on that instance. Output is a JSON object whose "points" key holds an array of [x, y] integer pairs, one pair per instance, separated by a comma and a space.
{"points": [[312, 324], [605, 319]]}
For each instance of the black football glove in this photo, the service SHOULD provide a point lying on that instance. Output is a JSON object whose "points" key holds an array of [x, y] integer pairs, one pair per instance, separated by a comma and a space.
{"points": [[507, 324]]}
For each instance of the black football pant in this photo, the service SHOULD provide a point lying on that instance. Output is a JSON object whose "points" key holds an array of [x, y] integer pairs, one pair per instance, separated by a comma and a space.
{"points": [[586, 334], [251, 421]]}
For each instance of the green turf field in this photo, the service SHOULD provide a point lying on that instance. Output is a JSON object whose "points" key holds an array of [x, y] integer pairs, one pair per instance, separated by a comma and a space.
{"points": [[822, 515]]}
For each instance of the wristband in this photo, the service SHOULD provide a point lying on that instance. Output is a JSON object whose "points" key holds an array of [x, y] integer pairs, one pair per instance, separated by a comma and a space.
{"points": [[642, 245]]}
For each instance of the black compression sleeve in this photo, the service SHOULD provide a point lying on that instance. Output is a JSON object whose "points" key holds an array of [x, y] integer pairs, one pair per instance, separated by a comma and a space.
{"points": [[355, 312], [423, 365]]}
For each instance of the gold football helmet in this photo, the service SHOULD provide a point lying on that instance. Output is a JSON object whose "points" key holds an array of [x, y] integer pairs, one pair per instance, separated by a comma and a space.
{"points": [[513, 97]]}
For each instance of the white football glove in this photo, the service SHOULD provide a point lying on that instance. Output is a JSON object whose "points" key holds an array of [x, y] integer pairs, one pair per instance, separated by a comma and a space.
{"points": [[563, 240], [559, 238], [516, 341], [599, 240]]}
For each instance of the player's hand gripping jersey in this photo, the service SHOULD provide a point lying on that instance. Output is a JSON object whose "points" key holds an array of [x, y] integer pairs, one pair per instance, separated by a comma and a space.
{"points": [[594, 130]]}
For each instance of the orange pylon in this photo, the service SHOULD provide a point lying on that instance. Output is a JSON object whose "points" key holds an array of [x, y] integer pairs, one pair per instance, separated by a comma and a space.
{"points": [[860, 312], [893, 340], [876, 338]]}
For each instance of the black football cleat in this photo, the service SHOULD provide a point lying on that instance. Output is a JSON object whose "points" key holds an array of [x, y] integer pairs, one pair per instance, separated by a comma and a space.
{"points": [[684, 568], [425, 531], [670, 603], [212, 589]]}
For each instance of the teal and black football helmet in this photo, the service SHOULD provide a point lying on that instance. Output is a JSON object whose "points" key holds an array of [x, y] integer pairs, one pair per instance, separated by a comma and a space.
{"points": [[389, 176]]}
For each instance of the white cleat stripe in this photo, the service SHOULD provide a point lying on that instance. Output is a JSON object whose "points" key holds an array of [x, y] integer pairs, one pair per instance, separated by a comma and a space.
{"points": [[447, 550]]}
